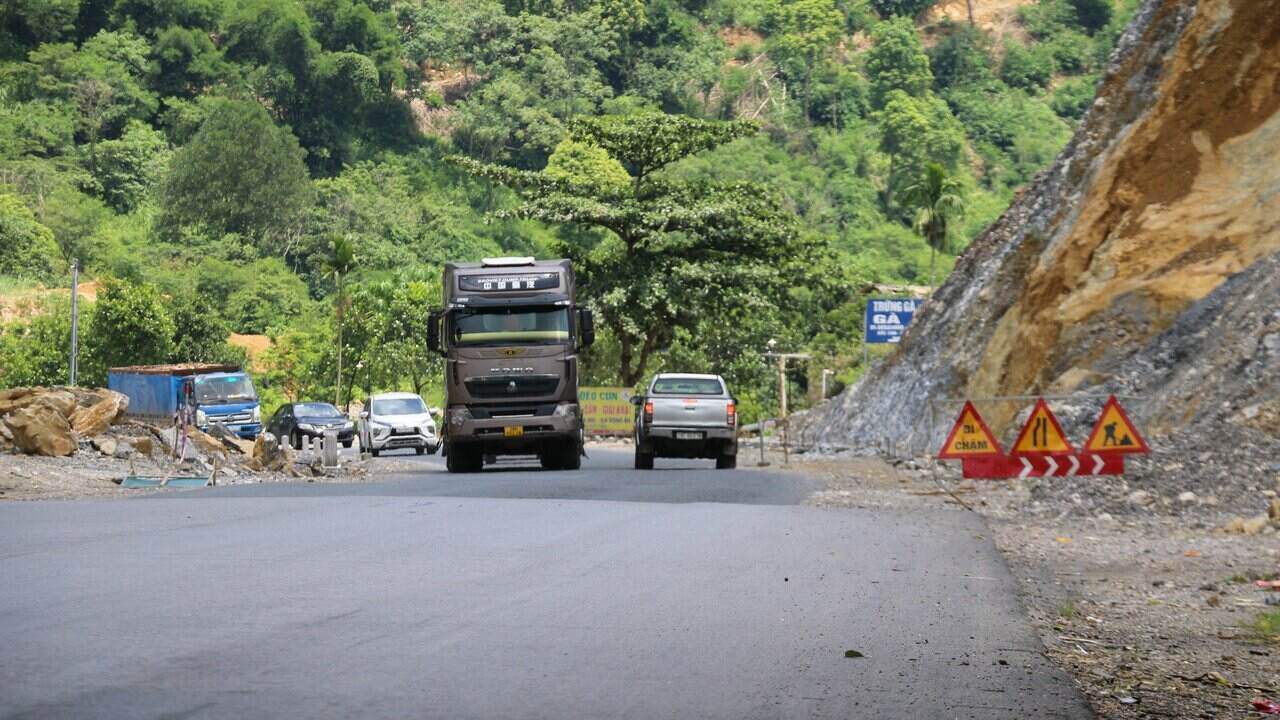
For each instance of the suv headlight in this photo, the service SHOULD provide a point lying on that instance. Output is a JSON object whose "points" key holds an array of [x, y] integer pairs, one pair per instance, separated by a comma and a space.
{"points": [[379, 429], [307, 426]]}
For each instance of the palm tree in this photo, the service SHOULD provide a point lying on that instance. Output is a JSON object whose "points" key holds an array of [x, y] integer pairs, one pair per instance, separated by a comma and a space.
{"points": [[341, 260], [939, 200]]}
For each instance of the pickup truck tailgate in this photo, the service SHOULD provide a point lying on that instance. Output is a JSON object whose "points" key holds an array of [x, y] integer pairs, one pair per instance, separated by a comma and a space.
{"points": [[689, 411]]}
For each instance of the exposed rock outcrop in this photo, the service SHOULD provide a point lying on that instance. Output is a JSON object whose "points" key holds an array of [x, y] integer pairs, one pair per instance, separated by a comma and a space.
{"points": [[1145, 259]]}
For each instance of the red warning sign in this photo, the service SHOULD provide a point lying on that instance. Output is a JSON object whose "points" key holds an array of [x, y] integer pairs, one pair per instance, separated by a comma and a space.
{"points": [[1115, 432], [1042, 435], [969, 437]]}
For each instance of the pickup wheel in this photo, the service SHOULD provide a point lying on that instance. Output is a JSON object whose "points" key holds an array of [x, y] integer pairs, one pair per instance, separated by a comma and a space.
{"points": [[295, 440], [726, 462], [644, 460]]}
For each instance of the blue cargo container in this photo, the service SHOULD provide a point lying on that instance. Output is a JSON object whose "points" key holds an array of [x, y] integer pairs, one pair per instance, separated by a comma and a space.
{"points": [[217, 395]]}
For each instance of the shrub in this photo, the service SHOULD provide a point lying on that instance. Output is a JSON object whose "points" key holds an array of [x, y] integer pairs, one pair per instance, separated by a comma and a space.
{"points": [[1027, 68]]}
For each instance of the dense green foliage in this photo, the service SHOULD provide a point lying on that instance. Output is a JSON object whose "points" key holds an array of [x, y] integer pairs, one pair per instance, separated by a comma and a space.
{"points": [[722, 172]]}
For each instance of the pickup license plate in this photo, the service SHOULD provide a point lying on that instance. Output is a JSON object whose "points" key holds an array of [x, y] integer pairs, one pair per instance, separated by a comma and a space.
{"points": [[688, 436], [513, 431]]}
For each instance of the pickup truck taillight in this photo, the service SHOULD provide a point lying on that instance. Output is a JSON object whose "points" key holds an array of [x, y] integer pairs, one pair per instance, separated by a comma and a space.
{"points": [[730, 414], [648, 412]]}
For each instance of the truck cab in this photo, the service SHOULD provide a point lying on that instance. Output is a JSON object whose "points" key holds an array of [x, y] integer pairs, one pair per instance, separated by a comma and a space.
{"points": [[510, 333]]}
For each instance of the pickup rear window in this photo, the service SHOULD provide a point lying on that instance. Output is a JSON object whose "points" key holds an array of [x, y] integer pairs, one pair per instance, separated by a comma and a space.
{"points": [[687, 386]]}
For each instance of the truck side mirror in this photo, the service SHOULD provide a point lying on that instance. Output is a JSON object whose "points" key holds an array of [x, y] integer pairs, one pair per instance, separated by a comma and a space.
{"points": [[586, 327], [433, 332]]}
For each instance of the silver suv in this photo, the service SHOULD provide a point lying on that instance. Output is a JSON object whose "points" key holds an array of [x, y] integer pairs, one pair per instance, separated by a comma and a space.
{"points": [[396, 421]]}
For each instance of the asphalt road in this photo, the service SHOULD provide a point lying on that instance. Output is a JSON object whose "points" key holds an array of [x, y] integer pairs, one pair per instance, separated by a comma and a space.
{"points": [[512, 594]]}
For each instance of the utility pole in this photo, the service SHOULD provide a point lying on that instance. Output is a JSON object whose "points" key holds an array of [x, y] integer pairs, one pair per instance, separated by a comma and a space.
{"points": [[74, 362]]}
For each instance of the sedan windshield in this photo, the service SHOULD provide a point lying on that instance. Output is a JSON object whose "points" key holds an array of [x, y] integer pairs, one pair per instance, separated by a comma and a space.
{"points": [[316, 410], [225, 389], [510, 325], [399, 406], [687, 386]]}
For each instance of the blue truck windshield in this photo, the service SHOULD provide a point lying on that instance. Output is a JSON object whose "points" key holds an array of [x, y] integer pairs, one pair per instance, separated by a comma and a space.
{"points": [[506, 325], [225, 389]]}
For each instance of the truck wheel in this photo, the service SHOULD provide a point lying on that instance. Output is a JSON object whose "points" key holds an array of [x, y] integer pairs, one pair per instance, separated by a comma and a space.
{"points": [[726, 462], [644, 460], [571, 458], [420, 450], [550, 458], [463, 459]]}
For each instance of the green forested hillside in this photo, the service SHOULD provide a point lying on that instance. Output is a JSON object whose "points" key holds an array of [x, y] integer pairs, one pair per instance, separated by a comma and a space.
{"points": [[203, 159]]}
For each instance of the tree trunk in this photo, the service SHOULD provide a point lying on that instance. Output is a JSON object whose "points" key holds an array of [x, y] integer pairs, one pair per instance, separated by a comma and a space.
{"points": [[933, 258], [337, 393], [969, 5]]}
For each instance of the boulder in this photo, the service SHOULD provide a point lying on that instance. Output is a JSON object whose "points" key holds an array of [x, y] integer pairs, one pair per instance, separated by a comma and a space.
{"points": [[17, 398], [269, 454], [105, 445], [143, 445], [205, 442], [94, 419], [1255, 525], [63, 401], [41, 429], [231, 441]]}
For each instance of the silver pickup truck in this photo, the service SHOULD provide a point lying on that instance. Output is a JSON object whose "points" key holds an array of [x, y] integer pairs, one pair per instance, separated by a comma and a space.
{"points": [[686, 416]]}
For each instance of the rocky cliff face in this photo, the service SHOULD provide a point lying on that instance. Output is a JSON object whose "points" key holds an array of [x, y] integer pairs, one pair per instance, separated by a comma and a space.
{"points": [[1145, 260]]}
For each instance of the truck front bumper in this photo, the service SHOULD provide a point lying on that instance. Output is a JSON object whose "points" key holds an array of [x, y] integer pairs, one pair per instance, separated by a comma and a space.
{"points": [[513, 433], [247, 431]]}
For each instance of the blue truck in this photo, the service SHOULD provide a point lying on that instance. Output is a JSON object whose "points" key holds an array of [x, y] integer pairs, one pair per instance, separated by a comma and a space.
{"points": [[212, 394]]}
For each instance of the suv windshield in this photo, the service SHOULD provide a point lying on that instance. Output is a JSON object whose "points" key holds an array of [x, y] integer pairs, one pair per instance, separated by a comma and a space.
{"points": [[316, 410], [225, 389], [510, 325], [687, 386], [399, 406]]}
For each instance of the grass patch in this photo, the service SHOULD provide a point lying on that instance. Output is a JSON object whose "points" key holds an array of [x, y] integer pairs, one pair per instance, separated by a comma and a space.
{"points": [[1069, 610], [1267, 626], [10, 285]]}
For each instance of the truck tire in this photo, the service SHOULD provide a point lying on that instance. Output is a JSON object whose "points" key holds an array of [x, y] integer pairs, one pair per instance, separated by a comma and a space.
{"points": [[550, 457], [726, 462], [644, 460], [571, 457], [463, 459]]}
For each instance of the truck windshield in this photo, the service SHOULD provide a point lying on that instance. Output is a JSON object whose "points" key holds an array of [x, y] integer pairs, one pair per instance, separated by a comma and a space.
{"points": [[687, 386], [492, 326], [225, 389]]}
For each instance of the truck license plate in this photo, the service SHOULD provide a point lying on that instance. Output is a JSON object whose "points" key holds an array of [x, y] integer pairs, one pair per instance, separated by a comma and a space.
{"points": [[513, 431], [688, 436]]}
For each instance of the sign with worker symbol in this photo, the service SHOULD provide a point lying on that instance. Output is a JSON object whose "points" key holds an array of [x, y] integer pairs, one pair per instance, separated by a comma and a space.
{"points": [[969, 437], [1115, 433], [1042, 435]]}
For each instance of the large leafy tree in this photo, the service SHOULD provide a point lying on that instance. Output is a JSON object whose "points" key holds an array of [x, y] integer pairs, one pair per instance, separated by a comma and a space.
{"points": [[239, 174], [130, 326], [803, 33], [897, 61], [662, 253], [27, 248]]}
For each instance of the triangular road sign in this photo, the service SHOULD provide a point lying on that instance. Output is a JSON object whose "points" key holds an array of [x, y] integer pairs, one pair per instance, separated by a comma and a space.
{"points": [[1042, 435], [1115, 433], [969, 437]]}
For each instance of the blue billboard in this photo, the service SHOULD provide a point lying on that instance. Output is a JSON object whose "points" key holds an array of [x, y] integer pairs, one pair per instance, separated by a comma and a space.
{"points": [[887, 318]]}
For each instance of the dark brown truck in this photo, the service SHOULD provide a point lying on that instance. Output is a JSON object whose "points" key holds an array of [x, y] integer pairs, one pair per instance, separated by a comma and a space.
{"points": [[510, 333]]}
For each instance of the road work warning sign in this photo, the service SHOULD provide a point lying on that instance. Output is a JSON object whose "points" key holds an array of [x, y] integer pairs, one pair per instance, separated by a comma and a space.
{"points": [[1115, 433], [969, 437], [1042, 435]]}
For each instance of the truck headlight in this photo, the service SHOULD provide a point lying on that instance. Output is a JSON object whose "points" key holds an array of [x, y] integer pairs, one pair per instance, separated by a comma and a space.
{"points": [[257, 414], [457, 416], [568, 410], [201, 418]]}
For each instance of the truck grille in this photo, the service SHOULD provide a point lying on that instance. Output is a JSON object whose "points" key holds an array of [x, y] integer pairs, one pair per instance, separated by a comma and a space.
{"points": [[240, 418], [502, 386]]}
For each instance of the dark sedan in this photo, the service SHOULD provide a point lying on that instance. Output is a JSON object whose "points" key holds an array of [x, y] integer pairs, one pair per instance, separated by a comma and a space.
{"points": [[310, 419]]}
